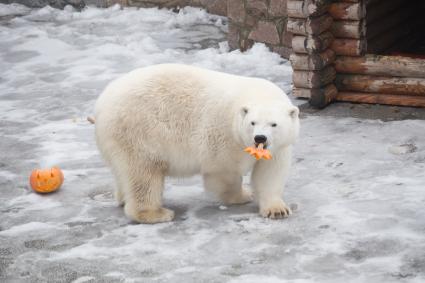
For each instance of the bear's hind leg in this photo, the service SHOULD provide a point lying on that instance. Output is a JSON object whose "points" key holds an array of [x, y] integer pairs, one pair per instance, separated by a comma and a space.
{"points": [[143, 198], [119, 169], [228, 187], [121, 183], [119, 196]]}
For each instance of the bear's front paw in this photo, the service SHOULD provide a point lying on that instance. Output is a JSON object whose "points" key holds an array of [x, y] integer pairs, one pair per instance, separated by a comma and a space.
{"points": [[275, 209], [150, 216]]}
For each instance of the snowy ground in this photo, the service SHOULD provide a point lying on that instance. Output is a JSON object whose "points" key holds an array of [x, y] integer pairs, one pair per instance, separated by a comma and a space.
{"points": [[358, 184]]}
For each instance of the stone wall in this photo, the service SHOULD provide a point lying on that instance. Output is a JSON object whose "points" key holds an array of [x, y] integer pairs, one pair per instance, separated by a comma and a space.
{"points": [[218, 7], [259, 21]]}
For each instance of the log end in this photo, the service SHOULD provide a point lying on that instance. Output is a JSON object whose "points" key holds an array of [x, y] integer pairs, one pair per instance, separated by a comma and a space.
{"points": [[321, 99]]}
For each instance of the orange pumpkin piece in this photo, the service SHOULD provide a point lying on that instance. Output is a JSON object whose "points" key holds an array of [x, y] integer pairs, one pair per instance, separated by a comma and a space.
{"points": [[46, 180], [259, 152]]}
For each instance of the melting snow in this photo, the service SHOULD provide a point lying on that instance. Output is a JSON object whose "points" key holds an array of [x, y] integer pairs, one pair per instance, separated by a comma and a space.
{"points": [[358, 185]]}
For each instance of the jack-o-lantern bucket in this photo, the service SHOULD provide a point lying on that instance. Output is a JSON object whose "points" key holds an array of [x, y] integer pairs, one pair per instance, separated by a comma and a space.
{"points": [[46, 180]]}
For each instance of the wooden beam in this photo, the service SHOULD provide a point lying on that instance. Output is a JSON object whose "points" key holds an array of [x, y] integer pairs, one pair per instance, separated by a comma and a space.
{"points": [[348, 29], [375, 84], [315, 61], [302, 92], [313, 26], [378, 65], [312, 44], [347, 11], [307, 8], [313, 79], [390, 99], [349, 47]]}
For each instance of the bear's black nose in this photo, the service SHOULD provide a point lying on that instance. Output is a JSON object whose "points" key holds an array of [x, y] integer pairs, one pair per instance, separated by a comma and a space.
{"points": [[260, 139]]}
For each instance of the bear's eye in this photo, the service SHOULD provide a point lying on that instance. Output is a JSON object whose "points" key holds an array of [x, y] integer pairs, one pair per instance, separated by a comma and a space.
{"points": [[253, 123], [274, 125]]}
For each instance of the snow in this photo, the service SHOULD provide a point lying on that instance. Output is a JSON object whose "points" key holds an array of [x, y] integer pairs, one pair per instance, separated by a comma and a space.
{"points": [[357, 185], [13, 10]]}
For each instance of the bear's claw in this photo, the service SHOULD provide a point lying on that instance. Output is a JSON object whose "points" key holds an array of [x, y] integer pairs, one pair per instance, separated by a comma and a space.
{"points": [[277, 210]]}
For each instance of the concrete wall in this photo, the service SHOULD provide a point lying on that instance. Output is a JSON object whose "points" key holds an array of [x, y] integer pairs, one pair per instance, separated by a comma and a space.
{"points": [[259, 21]]}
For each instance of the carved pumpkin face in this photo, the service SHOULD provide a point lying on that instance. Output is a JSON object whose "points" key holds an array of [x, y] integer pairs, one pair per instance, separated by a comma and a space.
{"points": [[46, 180]]}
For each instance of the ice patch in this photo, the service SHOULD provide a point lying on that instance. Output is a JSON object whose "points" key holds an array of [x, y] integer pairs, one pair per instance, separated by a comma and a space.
{"points": [[26, 228], [33, 201], [6, 175], [84, 279], [255, 278]]}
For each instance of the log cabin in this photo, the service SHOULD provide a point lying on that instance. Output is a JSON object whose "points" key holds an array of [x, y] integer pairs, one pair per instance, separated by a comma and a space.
{"points": [[365, 51]]}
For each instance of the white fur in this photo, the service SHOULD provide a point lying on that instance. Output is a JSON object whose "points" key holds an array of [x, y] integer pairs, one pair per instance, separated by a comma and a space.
{"points": [[177, 120]]}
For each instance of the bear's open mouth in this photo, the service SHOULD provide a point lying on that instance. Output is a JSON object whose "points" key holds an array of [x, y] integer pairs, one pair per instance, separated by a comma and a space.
{"points": [[264, 145]]}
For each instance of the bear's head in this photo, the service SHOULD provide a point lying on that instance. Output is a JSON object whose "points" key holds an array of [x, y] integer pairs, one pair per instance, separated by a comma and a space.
{"points": [[273, 123]]}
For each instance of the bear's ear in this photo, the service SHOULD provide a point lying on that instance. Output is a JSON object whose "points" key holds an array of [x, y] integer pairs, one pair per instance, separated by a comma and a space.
{"points": [[244, 111], [294, 112]]}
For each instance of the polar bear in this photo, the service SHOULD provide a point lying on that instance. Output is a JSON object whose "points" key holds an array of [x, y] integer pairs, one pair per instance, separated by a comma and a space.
{"points": [[178, 120]]}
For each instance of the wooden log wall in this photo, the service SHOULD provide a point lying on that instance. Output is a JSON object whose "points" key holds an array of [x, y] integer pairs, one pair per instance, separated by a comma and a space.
{"points": [[330, 42], [374, 26], [394, 80], [374, 78], [312, 60], [323, 30], [349, 27]]}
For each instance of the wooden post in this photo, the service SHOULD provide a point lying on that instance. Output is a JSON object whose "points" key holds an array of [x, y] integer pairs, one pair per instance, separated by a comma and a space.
{"points": [[314, 74]]}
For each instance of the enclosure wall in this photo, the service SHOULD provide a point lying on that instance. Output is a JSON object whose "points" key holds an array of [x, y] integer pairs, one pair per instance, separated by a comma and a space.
{"points": [[259, 21]]}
